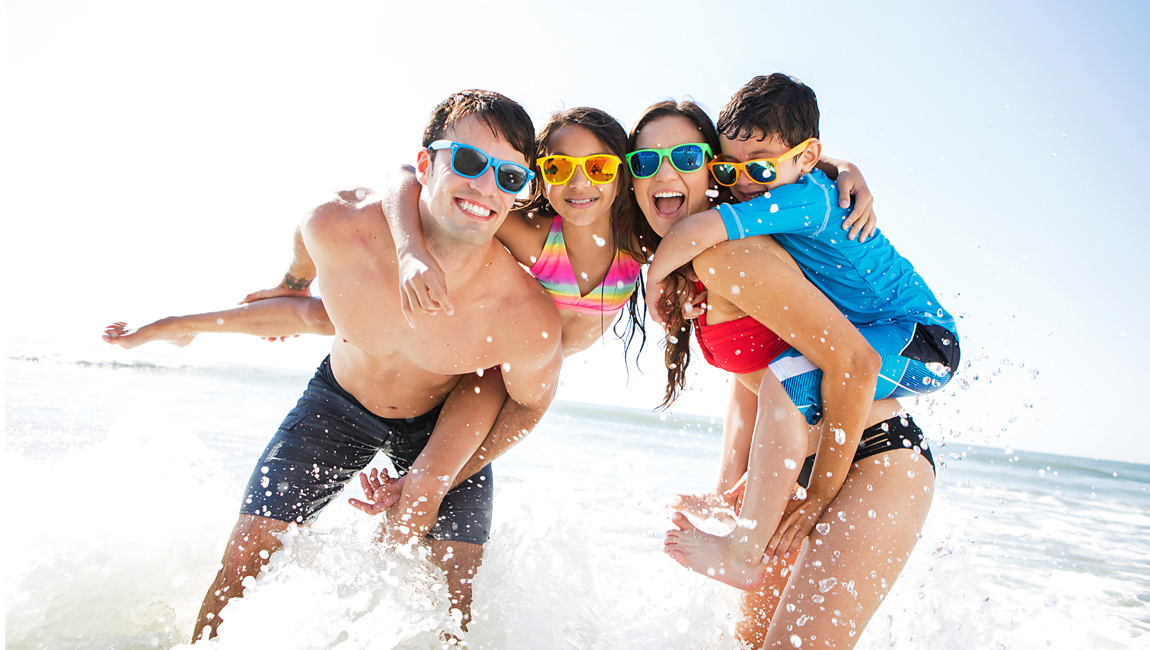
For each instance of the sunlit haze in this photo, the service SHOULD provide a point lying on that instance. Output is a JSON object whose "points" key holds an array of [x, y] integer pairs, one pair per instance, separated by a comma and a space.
{"points": [[159, 156]]}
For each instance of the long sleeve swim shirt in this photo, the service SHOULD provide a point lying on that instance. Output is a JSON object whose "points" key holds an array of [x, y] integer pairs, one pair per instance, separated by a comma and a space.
{"points": [[869, 282]]}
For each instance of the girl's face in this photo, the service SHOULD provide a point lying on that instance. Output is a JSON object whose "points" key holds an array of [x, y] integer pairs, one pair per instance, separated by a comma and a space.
{"points": [[669, 195], [580, 202]]}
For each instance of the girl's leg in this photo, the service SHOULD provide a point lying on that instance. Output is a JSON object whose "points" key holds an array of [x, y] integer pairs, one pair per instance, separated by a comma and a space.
{"points": [[777, 450], [466, 419], [271, 318], [841, 578]]}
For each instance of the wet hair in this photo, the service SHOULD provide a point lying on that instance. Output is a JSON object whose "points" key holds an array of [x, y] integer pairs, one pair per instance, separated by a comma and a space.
{"points": [[504, 116], [777, 106], [676, 345]]}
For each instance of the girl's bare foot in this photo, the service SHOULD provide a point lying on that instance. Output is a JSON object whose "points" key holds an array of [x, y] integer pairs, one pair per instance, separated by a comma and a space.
{"points": [[722, 558], [165, 329], [710, 505]]}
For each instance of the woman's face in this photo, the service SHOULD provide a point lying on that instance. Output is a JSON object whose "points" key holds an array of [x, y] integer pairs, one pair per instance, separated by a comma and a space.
{"points": [[580, 202], [669, 195]]}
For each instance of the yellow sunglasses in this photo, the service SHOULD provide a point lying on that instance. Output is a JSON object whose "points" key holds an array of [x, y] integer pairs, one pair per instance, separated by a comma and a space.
{"points": [[762, 171], [599, 168]]}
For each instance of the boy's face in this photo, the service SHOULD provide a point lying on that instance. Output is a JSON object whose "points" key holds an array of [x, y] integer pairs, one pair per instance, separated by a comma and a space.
{"points": [[757, 148]]}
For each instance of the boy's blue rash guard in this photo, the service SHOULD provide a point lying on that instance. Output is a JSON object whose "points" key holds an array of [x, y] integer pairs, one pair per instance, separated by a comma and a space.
{"points": [[870, 283]]}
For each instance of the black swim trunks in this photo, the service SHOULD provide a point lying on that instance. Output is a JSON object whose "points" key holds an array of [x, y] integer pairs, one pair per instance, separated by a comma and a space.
{"points": [[888, 435], [329, 437]]}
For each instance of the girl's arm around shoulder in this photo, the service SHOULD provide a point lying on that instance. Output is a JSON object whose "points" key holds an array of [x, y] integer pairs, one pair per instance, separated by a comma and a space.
{"points": [[524, 234]]}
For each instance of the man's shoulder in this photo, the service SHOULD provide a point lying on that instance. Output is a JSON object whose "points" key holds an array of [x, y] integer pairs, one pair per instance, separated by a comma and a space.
{"points": [[347, 212]]}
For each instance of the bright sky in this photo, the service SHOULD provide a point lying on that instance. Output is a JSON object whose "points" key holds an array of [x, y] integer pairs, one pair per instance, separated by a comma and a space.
{"points": [[160, 154]]}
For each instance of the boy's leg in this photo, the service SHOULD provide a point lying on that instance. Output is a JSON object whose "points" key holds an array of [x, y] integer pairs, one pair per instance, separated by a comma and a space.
{"points": [[738, 426], [778, 448]]}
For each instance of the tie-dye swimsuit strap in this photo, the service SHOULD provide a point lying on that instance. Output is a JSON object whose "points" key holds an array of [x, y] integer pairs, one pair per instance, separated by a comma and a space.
{"points": [[554, 272]]}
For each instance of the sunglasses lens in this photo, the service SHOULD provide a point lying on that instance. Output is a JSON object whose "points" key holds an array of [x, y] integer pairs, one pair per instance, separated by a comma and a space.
{"points": [[645, 163], [687, 157], [556, 170], [761, 171], [469, 162], [725, 174], [601, 169], [511, 177]]}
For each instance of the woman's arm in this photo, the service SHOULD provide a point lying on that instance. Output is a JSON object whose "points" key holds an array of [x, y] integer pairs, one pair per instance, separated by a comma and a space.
{"points": [[760, 278]]}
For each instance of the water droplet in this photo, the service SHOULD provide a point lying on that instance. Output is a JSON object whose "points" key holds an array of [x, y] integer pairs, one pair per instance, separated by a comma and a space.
{"points": [[802, 620], [801, 493], [871, 513], [827, 584], [840, 437], [796, 642], [823, 528], [599, 241], [789, 463]]}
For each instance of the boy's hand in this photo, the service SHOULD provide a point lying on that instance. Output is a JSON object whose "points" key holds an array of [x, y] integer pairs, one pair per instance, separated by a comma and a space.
{"points": [[862, 221], [380, 490], [422, 287]]}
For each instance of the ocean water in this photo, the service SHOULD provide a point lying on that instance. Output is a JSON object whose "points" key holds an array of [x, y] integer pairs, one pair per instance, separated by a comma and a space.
{"points": [[124, 476]]}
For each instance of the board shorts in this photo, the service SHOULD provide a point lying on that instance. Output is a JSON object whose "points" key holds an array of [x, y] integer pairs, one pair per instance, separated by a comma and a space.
{"points": [[329, 437], [898, 432], [917, 359]]}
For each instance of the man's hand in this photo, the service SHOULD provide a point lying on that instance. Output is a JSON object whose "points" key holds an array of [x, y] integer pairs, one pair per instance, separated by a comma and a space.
{"points": [[862, 220], [422, 287], [381, 491]]}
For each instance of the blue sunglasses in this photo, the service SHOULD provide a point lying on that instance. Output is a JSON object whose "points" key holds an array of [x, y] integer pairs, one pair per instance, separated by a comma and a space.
{"points": [[469, 162]]}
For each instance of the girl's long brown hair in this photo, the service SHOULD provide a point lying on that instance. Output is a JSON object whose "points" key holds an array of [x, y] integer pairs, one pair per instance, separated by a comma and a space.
{"points": [[677, 345]]}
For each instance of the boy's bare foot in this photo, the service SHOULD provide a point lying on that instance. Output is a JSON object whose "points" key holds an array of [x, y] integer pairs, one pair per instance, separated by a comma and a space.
{"points": [[164, 329], [721, 558], [704, 506]]}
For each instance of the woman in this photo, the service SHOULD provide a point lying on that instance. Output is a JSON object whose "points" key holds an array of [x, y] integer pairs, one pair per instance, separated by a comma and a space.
{"points": [[873, 519]]}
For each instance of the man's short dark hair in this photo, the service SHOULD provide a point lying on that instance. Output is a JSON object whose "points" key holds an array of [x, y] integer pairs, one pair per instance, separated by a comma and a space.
{"points": [[504, 116], [778, 106]]}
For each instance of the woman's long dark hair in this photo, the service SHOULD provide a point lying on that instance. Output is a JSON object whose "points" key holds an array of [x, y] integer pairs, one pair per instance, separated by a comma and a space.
{"points": [[636, 229], [623, 210]]}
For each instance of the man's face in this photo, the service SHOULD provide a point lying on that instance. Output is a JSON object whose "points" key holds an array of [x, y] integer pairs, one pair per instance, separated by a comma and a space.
{"points": [[756, 148], [468, 210]]}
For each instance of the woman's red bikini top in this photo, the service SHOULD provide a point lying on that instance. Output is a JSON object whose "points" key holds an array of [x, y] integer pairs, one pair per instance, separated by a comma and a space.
{"points": [[742, 345]]}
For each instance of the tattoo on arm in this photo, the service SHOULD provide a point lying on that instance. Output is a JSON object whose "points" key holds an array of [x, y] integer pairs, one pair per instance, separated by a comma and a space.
{"points": [[296, 284]]}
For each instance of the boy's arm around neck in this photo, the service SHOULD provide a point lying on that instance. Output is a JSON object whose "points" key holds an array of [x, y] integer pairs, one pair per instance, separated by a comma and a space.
{"points": [[684, 241]]}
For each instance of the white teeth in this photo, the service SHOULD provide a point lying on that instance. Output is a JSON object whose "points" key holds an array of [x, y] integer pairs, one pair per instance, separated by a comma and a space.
{"points": [[580, 201], [476, 210], [667, 195]]}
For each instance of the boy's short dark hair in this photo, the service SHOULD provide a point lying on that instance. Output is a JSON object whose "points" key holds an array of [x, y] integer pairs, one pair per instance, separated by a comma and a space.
{"points": [[505, 117], [779, 105]]}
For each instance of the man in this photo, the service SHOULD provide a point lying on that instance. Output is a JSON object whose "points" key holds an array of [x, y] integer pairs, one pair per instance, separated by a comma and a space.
{"points": [[384, 384]]}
